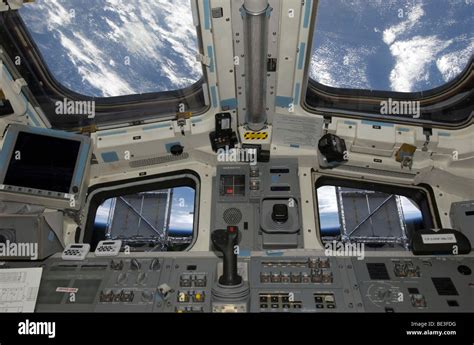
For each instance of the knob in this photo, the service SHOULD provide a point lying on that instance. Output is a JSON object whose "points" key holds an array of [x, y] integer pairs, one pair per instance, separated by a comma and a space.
{"points": [[384, 294], [464, 270], [155, 265], [121, 278], [280, 213], [176, 150], [254, 172], [313, 262], [224, 241], [147, 296], [141, 278], [135, 265], [116, 265]]}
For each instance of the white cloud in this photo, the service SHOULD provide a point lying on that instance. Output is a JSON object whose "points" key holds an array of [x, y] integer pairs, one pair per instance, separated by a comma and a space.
{"points": [[340, 65], [103, 211], [92, 66], [322, 68], [412, 59], [181, 219], [327, 201], [158, 38], [150, 29], [414, 14], [453, 63], [54, 16], [409, 208]]}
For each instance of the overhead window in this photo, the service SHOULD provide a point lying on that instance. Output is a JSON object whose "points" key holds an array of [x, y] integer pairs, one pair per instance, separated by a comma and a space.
{"points": [[401, 45], [104, 48], [379, 216]]}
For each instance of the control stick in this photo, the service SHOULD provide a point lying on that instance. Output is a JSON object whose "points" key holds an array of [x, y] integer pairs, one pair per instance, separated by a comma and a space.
{"points": [[280, 213], [225, 241]]}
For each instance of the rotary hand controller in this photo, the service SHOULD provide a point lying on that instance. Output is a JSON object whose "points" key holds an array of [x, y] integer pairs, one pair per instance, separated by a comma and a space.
{"points": [[225, 241]]}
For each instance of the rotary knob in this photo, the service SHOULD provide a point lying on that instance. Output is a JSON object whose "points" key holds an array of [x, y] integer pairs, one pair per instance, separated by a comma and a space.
{"points": [[121, 278], [135, 265], [147, 296], [155, 265], [384, 294], [141, 278]]}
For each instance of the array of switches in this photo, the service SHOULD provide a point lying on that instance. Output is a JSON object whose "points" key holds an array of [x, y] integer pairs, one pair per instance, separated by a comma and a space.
{"points": [[254, 181], [123, 296], [137, 273], [278, 301], [406, 269], [417, 300], [324, 300], [315, 276], [312, 270], [191, 296], [126, 296], [189, 280], [135, 265], [189, 309], [123, 278], [313, 263]]}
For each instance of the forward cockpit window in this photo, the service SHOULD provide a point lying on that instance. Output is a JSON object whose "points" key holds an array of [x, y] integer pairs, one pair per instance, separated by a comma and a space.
{"points": [[399, 46], [115, 47], [380, 216], [155, 220]]}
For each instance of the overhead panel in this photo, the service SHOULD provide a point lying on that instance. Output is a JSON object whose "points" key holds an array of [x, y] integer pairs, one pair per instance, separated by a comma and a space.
{"points": [[223, 53]]}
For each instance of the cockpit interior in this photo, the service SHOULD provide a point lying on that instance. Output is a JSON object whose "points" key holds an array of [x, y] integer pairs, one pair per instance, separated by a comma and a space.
{"points": [[245, 156]]}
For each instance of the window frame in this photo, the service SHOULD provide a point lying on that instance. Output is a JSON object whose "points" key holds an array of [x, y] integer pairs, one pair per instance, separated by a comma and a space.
{"points": [[16, 40], [97, 194], [455, 97], [422, 194]]}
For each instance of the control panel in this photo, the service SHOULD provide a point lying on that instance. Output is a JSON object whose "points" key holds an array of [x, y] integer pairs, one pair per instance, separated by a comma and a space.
{"points": [[263, 200], [309, 282], [438, 284], [76, 251], [299, 284], [129, 285], [108, 248]]}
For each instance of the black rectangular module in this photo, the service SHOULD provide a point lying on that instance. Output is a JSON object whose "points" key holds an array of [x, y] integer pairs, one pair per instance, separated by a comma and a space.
{"points": [[271, 65], [217, 12], [279, 171], [42, 162], [378, 271], [445, 286], [280, 188]]}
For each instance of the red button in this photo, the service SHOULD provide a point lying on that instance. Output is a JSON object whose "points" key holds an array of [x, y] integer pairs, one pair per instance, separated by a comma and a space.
{"points": [[231, 229], [230, 191]]}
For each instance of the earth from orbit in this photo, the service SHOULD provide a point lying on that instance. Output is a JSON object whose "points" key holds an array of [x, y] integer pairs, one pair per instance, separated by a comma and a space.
{"points": [[120, 47]]}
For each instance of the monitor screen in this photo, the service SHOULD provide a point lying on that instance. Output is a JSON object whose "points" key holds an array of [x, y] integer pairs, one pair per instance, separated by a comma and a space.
{"points": [[42, 162], [232, 185]]}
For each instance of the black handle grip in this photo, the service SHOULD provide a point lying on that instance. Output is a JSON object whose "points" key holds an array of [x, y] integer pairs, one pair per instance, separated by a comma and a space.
{"points": [[225, 241]]}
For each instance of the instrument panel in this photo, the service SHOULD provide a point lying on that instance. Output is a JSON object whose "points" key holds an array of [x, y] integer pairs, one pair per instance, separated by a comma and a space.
{"points": [[308, 283]]}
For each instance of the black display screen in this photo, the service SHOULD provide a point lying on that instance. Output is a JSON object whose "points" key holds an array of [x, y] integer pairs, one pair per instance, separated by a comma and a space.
{"points": [[42, 162], [231, 185]]}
